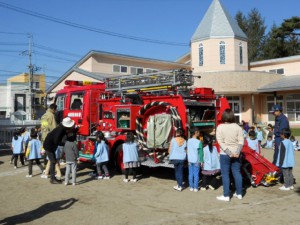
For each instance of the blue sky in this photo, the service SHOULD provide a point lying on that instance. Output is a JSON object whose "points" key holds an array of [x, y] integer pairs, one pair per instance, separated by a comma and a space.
{"points": [[58, 47]]}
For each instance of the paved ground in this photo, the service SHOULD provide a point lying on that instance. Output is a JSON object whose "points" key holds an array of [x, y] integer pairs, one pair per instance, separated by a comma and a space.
{"points": [[151, 200]]}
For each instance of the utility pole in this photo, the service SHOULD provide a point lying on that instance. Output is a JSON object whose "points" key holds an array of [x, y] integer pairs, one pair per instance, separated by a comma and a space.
{"points": [[30, 76]]}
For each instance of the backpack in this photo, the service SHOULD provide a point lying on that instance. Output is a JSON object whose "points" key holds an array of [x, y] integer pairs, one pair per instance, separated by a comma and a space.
{"points": [[45, 129]]}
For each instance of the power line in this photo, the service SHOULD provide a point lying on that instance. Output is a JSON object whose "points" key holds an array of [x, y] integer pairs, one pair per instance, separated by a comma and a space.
{"points": [[9, 71], [6, 50], [13, 43], [15, 33], [52, 56], [56, 50], [83, 27]]}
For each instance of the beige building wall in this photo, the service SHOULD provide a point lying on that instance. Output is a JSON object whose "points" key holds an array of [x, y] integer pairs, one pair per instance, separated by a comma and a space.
{"points": [[104, 64], [235, 82], [73, 76], [88, 64], [290, 66], [211, 55]]}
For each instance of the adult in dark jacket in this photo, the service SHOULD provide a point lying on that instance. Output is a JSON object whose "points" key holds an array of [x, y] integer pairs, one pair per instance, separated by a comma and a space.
{"points": [[281, 122], [53, 140]]}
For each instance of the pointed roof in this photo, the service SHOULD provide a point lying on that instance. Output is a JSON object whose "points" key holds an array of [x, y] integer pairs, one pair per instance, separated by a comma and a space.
{"points": [[217, 23]]}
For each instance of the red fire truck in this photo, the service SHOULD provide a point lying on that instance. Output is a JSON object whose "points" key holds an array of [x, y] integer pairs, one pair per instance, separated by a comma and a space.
{"points": [[151, 106]]}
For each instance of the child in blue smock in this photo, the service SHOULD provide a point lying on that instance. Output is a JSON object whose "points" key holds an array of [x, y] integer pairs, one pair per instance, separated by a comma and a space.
{"points": [[210, 164], [102, 156], [17, 148], [194, 146], [33, 152], [253, 142], [259, 135], [269, 143], [286, 160], [26, 138], [130, 157], [177, 151], [295, 143]]}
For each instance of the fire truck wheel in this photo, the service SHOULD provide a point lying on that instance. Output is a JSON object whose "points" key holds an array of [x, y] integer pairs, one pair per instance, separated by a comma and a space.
{"points": [[119, 159]]}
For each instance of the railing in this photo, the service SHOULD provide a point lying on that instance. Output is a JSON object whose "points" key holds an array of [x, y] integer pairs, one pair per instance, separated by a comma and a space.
{"points": [[163, 78], [7, 128], [6, 122]]}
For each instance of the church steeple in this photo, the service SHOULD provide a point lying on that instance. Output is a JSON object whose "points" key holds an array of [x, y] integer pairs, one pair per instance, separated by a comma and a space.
{"points": [[218, 43], [217, 23]]}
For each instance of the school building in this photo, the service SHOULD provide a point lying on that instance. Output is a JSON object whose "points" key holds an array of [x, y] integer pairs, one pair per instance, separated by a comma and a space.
{"points": [[219, 54]]}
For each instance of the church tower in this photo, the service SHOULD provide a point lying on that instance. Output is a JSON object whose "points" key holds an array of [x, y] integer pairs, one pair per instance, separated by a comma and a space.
{"points": [[218, 43]]}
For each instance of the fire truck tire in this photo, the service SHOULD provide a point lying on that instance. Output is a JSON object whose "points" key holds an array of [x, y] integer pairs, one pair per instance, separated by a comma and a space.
{"points": [[118, 159]]}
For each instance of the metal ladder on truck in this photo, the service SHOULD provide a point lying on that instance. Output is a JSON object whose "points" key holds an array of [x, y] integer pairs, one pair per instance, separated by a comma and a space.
{"points": [[150, 81]]}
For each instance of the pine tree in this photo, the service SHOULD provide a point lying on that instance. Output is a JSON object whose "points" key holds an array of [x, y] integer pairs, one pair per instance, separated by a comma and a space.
{"points": [[254, 27]]}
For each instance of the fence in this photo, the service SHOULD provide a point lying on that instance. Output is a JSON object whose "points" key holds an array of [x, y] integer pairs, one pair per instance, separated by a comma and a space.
{"points": [[7, 129]]}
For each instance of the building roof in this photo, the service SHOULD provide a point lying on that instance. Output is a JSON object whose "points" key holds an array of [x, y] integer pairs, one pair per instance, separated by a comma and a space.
{"points": [[217, 23], [286, 83], [294, 58]]}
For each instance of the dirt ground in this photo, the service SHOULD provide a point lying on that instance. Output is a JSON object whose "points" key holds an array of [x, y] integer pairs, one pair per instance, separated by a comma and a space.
{"points": [[151, 200]]}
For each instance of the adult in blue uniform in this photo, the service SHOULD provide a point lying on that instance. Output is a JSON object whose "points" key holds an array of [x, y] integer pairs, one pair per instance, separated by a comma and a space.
{"points": [[281, 122]]}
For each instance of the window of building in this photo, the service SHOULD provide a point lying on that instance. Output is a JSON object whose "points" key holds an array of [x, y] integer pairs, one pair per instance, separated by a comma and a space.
{"points": [[241, 54], [271, 98], [36, 101], [2, 114], [149, 70], [200, 54], [136, 70], [293, 107], [270, 103], [20, 102], [222, 52], [277, 71], [36, 85], [235, 105], [119, 69]]}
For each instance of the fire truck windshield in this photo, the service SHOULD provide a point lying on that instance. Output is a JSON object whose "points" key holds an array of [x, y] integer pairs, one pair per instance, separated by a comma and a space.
{"points": [[76, 101]]}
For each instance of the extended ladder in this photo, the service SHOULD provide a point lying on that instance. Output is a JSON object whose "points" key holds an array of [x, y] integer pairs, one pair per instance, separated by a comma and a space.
{"points": [[151, 81]]}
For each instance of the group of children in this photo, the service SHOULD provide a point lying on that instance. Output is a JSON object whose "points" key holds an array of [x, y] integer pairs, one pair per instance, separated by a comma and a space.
{"points": [[256, 134], [201, 156], [27, 144], [285, 160]]}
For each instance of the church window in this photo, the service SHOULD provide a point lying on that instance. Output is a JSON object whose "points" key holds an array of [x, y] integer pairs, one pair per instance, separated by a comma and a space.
{"points": [[241, 53], [222, 52], [200, 54]]}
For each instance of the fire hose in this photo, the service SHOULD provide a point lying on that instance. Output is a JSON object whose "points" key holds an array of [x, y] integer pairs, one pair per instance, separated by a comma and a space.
{"points": [[139, 127]]}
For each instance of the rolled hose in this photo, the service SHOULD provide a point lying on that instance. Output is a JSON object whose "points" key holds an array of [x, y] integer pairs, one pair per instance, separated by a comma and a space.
{"points": [[139, 127]]}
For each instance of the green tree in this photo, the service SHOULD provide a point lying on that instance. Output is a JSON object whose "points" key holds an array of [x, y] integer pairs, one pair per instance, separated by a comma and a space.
{"points": [[287, 34], [254, 27], [274, 47], [242, 21]]}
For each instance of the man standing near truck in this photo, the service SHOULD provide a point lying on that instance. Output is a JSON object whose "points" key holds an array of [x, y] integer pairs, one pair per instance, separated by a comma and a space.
{"points": [[48, 123], [53, 140], [281, 122]]}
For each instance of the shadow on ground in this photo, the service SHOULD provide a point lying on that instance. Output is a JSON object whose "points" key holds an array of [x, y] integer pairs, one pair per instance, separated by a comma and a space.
{"points": [[38, 213]]}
